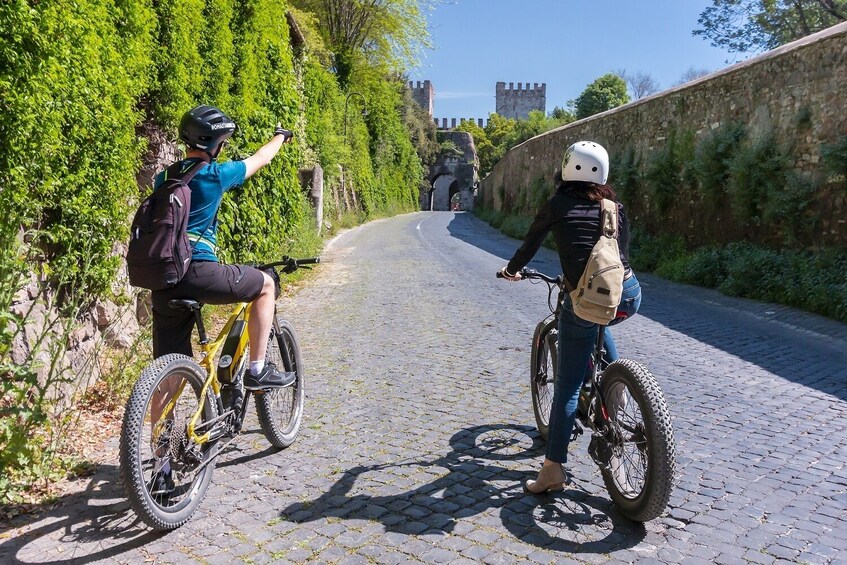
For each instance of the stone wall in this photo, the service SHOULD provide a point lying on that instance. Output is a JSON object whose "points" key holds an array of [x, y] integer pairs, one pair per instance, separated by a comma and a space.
{"points": [[458, 171], [98, 326], [797, 92], [423, 94], [517, 103]]}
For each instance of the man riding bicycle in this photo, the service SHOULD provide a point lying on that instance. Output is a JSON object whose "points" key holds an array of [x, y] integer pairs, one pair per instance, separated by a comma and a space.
{"points": [[205, 130]]}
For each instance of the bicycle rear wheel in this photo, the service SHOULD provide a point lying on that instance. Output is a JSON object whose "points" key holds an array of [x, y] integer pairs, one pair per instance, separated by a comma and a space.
{"points": [[543, 374], [638, 455], [280, 410], [154, 439]]}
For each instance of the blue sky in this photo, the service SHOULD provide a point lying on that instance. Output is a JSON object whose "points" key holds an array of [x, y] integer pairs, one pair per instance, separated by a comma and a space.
{"points": [[564, 43]]}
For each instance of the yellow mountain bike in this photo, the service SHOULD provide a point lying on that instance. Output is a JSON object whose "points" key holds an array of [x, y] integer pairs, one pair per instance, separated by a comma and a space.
{"points": [[181, 414]]}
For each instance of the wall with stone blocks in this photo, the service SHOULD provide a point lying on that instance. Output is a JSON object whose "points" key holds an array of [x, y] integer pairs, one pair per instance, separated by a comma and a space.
{"points": [[423, 94], [800, 82], [517, 103]]}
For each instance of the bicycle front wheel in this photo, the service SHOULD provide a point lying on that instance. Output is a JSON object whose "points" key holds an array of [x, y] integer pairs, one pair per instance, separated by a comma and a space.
{"points": [[543, 374], [640, 444], [165, 473], [280, 410]]}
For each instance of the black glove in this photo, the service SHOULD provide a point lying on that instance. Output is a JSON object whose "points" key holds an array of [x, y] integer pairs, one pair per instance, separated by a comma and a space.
{"points": [[287, 134]]}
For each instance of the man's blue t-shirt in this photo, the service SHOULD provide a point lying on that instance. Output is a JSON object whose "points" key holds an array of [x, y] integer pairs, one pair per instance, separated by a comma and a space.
{"points": [[207, 190]]}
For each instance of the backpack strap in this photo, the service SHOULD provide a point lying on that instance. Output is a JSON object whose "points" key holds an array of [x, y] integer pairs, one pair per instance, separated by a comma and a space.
{"points": [[609, 219], [176, 171], [608, 227]]}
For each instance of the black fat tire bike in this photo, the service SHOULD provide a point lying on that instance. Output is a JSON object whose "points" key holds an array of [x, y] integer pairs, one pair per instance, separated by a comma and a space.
{"points": [[183, 413], [622, 405]]}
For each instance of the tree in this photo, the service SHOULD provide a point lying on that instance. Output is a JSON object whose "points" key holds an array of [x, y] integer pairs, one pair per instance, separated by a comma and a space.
{"points": [[605, 93], [383, 32], [421, 127], [640, 84], [562, 115], [690, 74], [744, 26]]}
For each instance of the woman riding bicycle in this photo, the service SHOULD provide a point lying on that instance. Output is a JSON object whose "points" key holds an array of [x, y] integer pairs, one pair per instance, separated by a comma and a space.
{"points": [[573, 214], [205, 130]]}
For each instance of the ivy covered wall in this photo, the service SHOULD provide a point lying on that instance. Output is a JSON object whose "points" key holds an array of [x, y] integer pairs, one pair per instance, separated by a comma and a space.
{"points": [[89, 92]]}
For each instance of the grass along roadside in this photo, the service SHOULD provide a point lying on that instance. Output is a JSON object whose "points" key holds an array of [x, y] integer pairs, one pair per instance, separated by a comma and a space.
{"points": [[809, 279]]}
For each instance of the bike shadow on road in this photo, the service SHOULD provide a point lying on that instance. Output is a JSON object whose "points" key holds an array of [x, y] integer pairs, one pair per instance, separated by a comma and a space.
{"points": [[472, 479], [85, 527]]}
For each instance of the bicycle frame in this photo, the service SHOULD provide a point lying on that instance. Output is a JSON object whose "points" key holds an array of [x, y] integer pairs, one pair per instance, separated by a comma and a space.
{"points": [[208, 351], [552, 323]]}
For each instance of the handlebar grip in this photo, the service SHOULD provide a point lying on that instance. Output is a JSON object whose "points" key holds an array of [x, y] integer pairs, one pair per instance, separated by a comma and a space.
{"points": [[309, 261]]}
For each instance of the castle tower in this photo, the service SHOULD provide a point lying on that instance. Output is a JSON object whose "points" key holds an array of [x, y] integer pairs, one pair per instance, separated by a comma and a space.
{"points": [[424, 94], [517, 103]]}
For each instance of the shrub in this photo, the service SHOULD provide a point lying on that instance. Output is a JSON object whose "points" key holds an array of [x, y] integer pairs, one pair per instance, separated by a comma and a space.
{"points": [[712, 161], [626, 175], [756, 171], [667, 175]]}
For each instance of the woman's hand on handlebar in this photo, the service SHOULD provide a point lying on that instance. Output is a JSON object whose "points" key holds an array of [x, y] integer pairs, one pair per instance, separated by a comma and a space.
{"points": [[508, 276]]}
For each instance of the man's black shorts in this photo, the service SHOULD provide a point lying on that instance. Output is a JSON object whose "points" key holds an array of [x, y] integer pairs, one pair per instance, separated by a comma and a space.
{"points": [[206, 282]]}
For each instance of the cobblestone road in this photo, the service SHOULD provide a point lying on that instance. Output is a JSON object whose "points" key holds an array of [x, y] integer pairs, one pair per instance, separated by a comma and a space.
{"points": [[419, 429]]}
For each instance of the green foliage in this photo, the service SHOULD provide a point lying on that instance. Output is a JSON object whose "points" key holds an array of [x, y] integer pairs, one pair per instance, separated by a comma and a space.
{"points": [[607, 92], [625, 174], [421, 128], [713, 159], [756, 170], [811, 280], [647, 251], [77, 79], [385, 34], [745, 26], [540, 190], [449, 148], [764, 189], [667, 173], [835, 157], [501, 134]]}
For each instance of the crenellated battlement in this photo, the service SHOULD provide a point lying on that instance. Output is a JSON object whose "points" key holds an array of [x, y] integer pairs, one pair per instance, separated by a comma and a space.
{"points": [[423, 93], [541, 88], [517, 103], [453, 122]]}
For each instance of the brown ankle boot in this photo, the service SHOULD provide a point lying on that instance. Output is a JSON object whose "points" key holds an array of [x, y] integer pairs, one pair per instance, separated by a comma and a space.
{"points": [[550, 478]]}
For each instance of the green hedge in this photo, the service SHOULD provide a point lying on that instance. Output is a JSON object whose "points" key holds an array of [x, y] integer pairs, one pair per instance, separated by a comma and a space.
{"points": [[812, 281], [77, 80]]}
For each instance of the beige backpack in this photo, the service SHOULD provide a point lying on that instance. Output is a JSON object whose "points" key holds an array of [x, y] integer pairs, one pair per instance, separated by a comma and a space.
{"points": [[597, 295]]}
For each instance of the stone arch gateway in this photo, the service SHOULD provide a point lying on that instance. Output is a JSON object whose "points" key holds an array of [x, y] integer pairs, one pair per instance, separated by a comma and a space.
{"points": [[455, 174]]}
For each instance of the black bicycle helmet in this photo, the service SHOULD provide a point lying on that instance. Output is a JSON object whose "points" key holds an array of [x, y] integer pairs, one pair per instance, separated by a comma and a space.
{"points": [[205, 128]]}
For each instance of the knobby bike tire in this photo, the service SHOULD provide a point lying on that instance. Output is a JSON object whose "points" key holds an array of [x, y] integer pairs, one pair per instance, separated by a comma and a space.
{"points": [[543, 363], [654, 445], [280, 411], [132, 469]]}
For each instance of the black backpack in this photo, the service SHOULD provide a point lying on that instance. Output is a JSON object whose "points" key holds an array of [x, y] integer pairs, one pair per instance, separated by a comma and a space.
{"points": [[159, 250]]}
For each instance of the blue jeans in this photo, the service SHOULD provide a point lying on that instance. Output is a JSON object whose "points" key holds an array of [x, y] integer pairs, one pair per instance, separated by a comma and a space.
{"points": [[576, 342]]}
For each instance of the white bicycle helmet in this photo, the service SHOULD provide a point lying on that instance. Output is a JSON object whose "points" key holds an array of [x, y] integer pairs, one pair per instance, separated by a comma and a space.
{"points": [[586, 161]]}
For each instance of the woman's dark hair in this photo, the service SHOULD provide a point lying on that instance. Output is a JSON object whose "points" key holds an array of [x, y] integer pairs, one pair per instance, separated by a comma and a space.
{"points": [[588, 190]]}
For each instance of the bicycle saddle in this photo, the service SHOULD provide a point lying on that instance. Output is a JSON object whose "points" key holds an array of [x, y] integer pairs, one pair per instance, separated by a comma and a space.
{"points": [[184, 304]]}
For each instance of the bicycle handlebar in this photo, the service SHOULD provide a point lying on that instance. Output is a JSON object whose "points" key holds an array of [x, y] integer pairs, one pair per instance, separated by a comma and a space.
{"points": [[533, 274], [290, 263]]}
